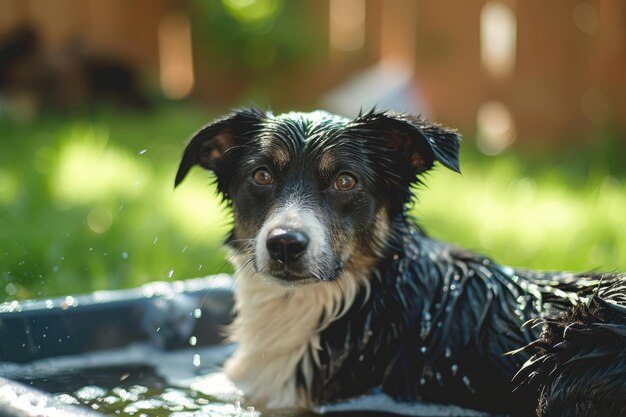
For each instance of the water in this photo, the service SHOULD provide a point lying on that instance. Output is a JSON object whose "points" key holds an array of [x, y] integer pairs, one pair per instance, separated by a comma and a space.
{"points": [[149, 401], [143, 381], [136, 390]]}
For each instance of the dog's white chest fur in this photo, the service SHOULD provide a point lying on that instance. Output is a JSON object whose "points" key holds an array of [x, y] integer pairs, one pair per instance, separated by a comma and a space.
{"points": [[277, 330]]}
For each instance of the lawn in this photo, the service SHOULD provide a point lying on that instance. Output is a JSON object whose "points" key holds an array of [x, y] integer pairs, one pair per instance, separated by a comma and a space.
{"points": [[87, 202]]}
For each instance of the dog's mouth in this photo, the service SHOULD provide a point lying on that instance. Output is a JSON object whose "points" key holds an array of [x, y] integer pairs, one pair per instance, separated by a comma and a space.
{"points": [[289, 277], [294, 280]]}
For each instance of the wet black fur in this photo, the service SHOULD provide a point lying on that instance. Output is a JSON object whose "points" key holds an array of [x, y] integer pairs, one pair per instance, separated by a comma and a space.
{"points": [[439, 321], [579, 362]]}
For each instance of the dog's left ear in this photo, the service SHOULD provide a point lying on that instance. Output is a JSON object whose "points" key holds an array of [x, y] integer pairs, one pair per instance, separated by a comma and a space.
{"points": [[412, 139]]}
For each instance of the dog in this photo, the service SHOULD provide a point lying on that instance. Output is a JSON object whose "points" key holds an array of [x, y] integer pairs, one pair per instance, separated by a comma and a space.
{"points": [[339, 293]]}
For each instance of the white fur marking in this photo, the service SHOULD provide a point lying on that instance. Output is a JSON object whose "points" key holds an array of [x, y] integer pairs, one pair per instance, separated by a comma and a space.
{"points": [[277, 328]]}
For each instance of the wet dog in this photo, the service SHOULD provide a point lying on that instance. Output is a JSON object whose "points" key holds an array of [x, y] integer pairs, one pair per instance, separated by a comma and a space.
{"points": [[339, 293]]}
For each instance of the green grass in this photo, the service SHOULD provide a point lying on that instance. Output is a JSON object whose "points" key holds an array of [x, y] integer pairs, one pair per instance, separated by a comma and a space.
{"points": [[87, 202], [536, 217]]}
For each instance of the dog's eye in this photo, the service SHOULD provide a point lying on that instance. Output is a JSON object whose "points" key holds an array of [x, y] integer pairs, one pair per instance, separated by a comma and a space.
{"points": [[345, 182], [262, 177]]}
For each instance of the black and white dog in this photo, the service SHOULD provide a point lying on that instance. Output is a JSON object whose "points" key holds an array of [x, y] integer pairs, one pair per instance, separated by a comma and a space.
{"points": [[339, 293]]}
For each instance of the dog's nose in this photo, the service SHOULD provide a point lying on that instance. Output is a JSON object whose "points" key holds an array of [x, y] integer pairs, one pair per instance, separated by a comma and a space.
{"points": [[285, 245]]}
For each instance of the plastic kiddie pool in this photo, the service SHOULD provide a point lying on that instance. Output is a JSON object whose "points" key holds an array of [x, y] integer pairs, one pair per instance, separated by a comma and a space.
{"points": [[150, 351]]}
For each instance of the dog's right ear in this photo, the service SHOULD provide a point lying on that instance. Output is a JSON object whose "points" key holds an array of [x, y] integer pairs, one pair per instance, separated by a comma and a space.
{"points": [[210, 144]]}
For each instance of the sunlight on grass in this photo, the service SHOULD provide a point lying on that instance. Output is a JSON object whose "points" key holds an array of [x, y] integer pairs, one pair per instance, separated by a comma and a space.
{"points": [[99, 211], [196, 209], [531, 222], [8, 186], [89, 169]]}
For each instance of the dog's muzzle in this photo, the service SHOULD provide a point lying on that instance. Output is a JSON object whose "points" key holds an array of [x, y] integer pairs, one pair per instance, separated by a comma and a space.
{"points": [[286, 245], [292, 248]]}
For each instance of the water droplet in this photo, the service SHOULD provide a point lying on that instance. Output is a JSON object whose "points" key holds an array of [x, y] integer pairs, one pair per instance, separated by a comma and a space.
{"points": [[454, 368], [90, 249], [10, 288], [448, 352], [466, 381], [170, 274], [193, 340], [68, 302], [158, 329], [124, 255], [423, 349], [200, 267], [422, 381], [197, 313], [486, 262], [452, 287], [361, 357], [196, 360], [457, 277], [143, 151], [156, 239]]}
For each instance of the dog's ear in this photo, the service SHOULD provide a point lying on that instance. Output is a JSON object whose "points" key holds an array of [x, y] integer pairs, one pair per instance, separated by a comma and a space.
{"points": [[210, 144], [412, 139]]}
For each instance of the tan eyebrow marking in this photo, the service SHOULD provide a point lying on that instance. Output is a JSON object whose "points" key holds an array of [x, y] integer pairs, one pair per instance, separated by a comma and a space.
{"points": [[278, 154], [326, 162], [280, 157]]}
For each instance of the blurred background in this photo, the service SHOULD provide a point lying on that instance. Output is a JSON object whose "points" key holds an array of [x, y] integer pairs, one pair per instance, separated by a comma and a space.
{"points": [[98, 97]]}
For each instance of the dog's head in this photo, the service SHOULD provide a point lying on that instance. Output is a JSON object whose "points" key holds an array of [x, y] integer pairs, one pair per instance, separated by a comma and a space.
{"points": [[312, 193]]}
